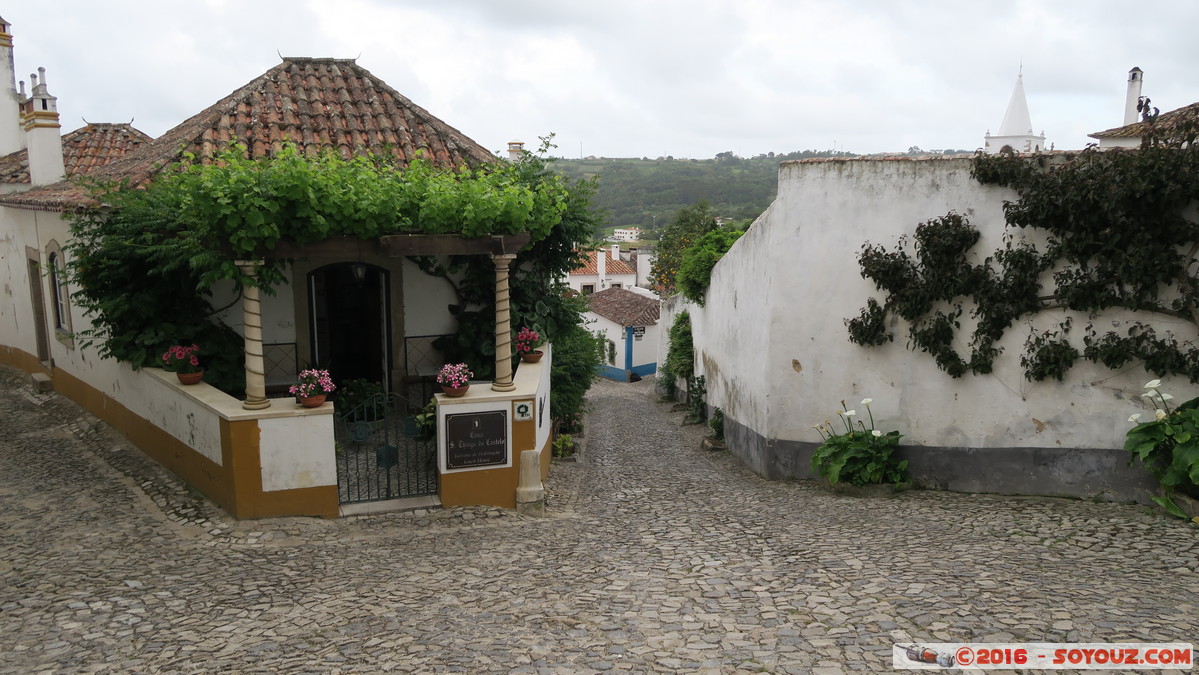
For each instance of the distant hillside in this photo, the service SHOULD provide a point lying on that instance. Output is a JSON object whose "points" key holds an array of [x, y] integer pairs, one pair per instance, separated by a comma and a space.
{"points": [[646, 193]]}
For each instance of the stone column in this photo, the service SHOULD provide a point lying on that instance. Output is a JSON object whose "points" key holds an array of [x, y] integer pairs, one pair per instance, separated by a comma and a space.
{"points": [[503, 325], [252, 320], [530, 493]]}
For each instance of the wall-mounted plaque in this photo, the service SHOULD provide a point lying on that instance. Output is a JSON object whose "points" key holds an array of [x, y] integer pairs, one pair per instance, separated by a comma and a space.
{"points": [[476, 439]]}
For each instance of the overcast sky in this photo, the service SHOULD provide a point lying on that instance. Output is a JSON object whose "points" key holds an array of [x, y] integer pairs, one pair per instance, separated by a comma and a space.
{"points": [[633, 78]]}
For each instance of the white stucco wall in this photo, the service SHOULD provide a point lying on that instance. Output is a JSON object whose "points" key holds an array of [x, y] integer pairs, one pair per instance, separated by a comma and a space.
{"points": [[611, 331], [16, 310], [577, 281], [295, 452], [774, 346], [426, 299]]}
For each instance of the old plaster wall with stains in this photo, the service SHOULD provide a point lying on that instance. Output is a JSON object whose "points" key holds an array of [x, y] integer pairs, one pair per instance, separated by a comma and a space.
{"points": [[773, 345]]}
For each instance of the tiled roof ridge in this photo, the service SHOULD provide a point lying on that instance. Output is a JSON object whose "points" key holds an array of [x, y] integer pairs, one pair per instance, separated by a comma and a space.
{"points": [[624, 307], [316, 103], [1163, 121], [612, 265], [85, 150]]}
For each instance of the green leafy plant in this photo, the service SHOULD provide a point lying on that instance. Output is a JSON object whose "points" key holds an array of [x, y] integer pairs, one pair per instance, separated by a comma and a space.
{"points": [[1168, 446], [717, 424], [695, 270], [678, 236], [697, 405], [564, 445], [426, 421], [361, 400], [861, 455], [680, 354]]}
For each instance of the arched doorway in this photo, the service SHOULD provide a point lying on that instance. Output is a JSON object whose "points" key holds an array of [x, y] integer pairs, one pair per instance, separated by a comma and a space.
{"points": [[349, 322]]}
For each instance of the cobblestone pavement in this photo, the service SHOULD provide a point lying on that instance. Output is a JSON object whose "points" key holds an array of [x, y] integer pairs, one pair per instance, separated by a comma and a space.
{"points": [[656, 556]]}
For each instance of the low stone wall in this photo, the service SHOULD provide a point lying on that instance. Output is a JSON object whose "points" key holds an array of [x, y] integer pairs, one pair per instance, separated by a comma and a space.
{"points": [[1101, 473]]}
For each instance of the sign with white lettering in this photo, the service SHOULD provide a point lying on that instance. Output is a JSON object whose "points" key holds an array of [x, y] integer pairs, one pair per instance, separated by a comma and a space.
{"points": [[476, 439], [638, 332]]}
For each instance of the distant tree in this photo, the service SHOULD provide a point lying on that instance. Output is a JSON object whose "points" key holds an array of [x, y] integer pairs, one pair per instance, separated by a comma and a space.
{"points": [[688, 226]]}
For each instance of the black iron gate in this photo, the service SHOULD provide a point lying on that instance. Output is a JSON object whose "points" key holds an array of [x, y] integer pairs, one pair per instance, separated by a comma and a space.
{"points": [[384, 451]]}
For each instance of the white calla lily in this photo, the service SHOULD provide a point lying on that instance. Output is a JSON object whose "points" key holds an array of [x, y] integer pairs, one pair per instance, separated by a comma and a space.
{"points": [[876, 433], [867, 401], [1160, 414], [850, 413], [1167, 397], [1133, 418], [1153, 384]]}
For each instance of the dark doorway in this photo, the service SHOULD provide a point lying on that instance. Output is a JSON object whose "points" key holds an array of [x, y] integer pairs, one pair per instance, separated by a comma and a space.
{"points": [[350, 322]]}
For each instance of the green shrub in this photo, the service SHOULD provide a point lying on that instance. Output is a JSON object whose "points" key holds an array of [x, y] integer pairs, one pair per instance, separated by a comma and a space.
{"points": [[859, 456], [1168, 446], [695, 272]]}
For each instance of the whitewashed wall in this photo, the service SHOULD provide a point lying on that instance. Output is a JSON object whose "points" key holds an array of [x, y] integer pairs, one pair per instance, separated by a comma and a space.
{"points": [[774, 347], [16, 310], [425, 301], [295, 452]]}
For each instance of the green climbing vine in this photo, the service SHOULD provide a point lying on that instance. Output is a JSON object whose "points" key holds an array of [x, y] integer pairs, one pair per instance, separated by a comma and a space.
{"points": [[1119, 230], [146, 262]]}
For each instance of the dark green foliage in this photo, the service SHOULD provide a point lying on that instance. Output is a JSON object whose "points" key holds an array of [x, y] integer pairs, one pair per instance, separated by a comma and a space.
{"points": [[1169, 447], [680, 353], [575, 367], [697, 407], [681, 234], [1120, 235], [1049, 354], [695, 271], [860, 455], [717, 424]]}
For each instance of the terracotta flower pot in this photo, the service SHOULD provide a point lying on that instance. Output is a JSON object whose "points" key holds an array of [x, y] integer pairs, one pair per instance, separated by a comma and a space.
{"points": [[190, 378], [531, 357], [454, 392], [312, 401]]}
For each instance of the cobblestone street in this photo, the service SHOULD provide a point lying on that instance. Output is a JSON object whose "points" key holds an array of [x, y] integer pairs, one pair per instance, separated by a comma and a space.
{"points": [[656, 556]]}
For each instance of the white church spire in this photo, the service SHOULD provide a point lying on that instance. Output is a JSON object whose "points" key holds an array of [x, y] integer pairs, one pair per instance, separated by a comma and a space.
{"points": [[1015, 131]]}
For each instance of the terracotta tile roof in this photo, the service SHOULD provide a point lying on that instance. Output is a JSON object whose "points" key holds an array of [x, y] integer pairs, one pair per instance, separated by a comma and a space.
{"points": [[83, 151], [1163, 122], [624, 307], [612, 266], [315, 103]]}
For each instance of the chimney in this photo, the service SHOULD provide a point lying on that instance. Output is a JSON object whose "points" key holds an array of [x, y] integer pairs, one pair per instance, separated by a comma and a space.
{"points": [[616, 251], [11, 138], [42, 134], [601, 269], [516, 149], [1134, 95]]}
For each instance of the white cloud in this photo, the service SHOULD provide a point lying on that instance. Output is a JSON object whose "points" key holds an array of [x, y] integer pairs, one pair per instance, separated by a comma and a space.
{"points": [[635, 78]]}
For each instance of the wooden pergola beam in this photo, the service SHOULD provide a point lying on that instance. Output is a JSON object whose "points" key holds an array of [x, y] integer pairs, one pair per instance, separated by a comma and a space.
{"points": [[402, 245]]}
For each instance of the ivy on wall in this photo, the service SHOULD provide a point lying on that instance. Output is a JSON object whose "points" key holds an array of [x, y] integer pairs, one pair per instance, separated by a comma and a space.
{"points": [[1120, 232]]}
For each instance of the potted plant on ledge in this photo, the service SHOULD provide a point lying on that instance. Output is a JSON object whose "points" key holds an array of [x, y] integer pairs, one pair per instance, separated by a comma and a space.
{"points": [[312, 387], [184, 362], [454, 379], [527, 340]]}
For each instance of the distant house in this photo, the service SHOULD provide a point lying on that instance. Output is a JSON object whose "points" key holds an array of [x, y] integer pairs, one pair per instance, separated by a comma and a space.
{"points": [[629, 234], [603, 268], [629, 322]]}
